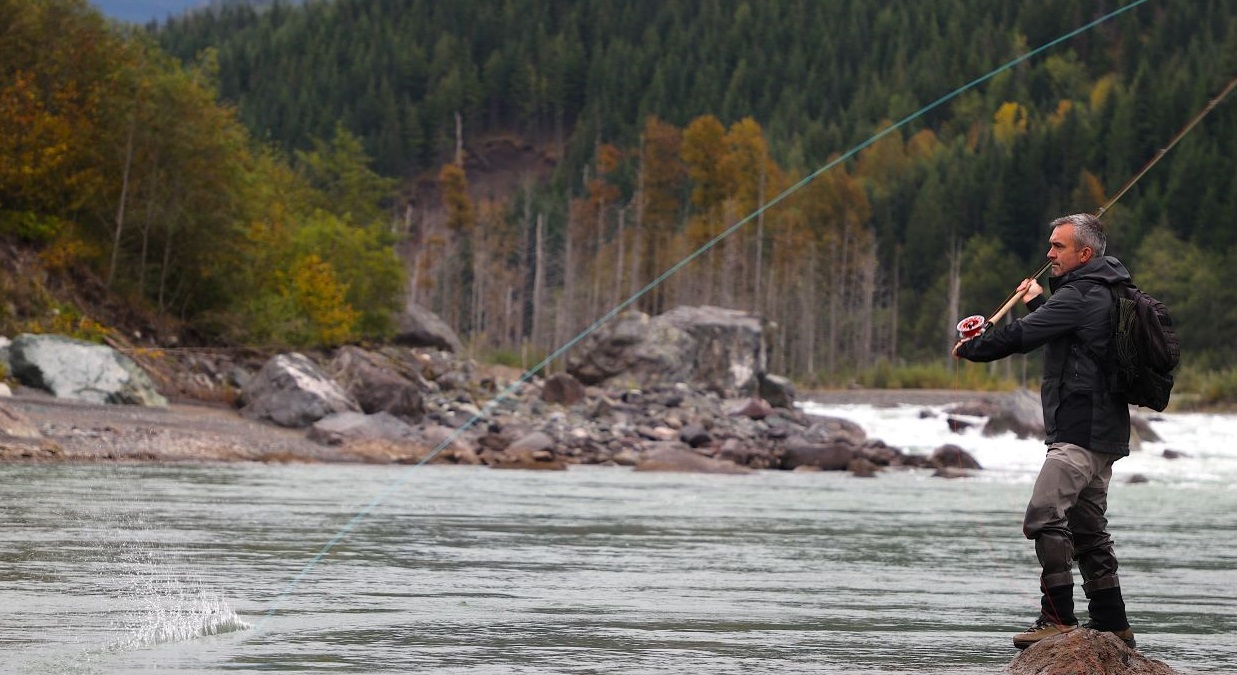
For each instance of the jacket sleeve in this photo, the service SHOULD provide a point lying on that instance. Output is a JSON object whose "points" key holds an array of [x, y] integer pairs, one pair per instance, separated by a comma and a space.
{"points": [[1060, 314]]}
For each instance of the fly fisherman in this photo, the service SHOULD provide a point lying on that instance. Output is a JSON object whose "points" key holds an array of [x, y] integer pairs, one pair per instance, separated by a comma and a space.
{"points": [[1087, 427]]}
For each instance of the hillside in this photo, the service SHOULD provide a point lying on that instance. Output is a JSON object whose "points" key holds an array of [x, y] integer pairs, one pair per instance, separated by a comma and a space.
{"points": [[537, 163]]}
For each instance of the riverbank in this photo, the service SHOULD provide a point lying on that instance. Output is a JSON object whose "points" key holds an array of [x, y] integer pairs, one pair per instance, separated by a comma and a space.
{"points": [[196, 431]]}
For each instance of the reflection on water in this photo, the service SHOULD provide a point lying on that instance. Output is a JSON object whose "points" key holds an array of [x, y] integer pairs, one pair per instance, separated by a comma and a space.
{"points": [[111, 569]]}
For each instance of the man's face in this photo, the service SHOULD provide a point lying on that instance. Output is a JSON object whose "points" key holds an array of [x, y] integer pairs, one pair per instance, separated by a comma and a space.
{"points": [[1064, 252]]}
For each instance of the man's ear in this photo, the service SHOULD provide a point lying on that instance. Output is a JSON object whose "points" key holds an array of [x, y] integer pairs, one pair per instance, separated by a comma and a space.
{"points": [[1086, 254]]}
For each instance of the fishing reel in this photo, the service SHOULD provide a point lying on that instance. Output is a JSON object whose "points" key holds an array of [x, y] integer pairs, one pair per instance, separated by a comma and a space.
{"points": [[972, 326]]}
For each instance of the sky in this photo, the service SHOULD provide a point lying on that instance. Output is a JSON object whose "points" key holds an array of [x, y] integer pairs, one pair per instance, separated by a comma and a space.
{"points": [[141, 11]]}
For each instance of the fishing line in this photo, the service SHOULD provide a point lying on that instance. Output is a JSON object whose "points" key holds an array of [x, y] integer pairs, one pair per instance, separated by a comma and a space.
{"points": [[706, 247]]}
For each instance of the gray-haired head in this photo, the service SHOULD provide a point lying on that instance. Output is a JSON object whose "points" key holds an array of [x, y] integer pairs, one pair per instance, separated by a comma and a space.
{"points": [[1088, 231]]}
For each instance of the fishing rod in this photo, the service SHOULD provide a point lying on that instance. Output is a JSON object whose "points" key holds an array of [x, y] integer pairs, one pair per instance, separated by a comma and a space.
{"points": [[975, 325]]}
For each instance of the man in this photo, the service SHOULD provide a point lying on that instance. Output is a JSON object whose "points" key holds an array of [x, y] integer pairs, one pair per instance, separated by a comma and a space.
{"points": [[1088, 429]]}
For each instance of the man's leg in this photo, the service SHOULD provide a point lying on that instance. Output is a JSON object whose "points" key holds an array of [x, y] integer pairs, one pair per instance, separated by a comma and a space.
{"points": [[1057, 487], [1096, 559]]}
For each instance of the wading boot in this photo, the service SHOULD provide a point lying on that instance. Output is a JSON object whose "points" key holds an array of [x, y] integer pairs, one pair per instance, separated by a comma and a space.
{"points": [[1107, 609], [1056, 616]]}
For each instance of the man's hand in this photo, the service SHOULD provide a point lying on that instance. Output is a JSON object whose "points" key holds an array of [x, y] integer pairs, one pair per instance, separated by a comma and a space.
{"points": [[954, 351], [1030, 289]]}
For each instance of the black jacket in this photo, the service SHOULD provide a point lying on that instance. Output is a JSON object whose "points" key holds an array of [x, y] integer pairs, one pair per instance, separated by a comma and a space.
{"points": [[1074, 325]]}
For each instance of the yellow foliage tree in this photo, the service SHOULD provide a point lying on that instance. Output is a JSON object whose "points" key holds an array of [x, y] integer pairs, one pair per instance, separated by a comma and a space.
{"points": [[318, 294], [1009, 122]]}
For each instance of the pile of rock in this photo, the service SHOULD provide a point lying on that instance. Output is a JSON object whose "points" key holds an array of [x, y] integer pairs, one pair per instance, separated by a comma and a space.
{"points": [[684, 391]]}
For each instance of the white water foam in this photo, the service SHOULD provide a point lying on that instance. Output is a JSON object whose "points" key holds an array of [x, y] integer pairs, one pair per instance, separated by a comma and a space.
{"points": [[1202, 443]]}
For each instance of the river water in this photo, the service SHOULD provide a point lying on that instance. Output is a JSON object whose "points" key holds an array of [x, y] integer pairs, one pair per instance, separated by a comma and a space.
{"points": [[213, 568]]}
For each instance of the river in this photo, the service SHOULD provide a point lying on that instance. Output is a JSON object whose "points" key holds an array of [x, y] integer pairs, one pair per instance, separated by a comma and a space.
{"points": [[209, 568]]}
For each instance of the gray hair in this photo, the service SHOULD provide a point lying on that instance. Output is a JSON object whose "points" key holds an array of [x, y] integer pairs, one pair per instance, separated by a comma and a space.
{"points": [[1088, 231]]}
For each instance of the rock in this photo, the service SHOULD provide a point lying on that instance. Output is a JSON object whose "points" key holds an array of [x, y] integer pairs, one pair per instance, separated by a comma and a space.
{"points": [[675, 457], [1085, 652], [862, 468], [419, 327], [346, 427], [1141, 426], [1020, 413], [79, 370], [752, 408], [636, 348], [824, 428], [375, 383], [950, 472], [722, 350], [1174, 454], [951, 456], [15, 424], [778, 391], [729, 347], [562, 388], [536, 441], [5, 392], [531, 451], [695, 435], [291, 391], [831, 456], [957, 424], [1137, 479]]}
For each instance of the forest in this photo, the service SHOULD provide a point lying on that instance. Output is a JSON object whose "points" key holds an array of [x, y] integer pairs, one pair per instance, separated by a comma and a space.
{"points": [[293, 173]]}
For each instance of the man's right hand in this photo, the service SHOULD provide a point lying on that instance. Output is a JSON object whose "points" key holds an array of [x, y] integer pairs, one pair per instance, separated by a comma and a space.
{"points": [[1030, 289]]}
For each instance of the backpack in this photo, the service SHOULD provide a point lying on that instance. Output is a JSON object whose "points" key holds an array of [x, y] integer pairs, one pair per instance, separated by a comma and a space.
{"points": [[1143, 349]]}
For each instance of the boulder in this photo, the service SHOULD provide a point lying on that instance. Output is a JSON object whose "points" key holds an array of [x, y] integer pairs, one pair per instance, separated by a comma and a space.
{"points": [[84, 371], [778, 391], [721, 350], [952, 457], [376, 384], [729, 351], [419, 327], [1020, 413], [1085, 651], [676, 457], [562, 388], [347, 427], [825, 428], [829, 456], [1141, 427], [291, 391]]}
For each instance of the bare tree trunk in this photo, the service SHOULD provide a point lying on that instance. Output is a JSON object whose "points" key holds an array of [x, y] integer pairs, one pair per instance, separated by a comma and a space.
{"points": [[954, 300], [415, 275], [620, 239], [120, 208], [539, 281], [760, 239], [896, 308], [459, 140], [868, 300]]}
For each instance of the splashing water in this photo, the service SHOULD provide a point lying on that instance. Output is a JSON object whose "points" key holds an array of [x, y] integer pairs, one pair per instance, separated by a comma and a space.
{"points": [[177, 614]]}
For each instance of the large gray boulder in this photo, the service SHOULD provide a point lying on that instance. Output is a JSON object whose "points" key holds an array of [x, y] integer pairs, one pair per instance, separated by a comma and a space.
{"points": [[291, 391], [419, 327], [377, 385], [719, 349], [1020, 413], [79, 370]]}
